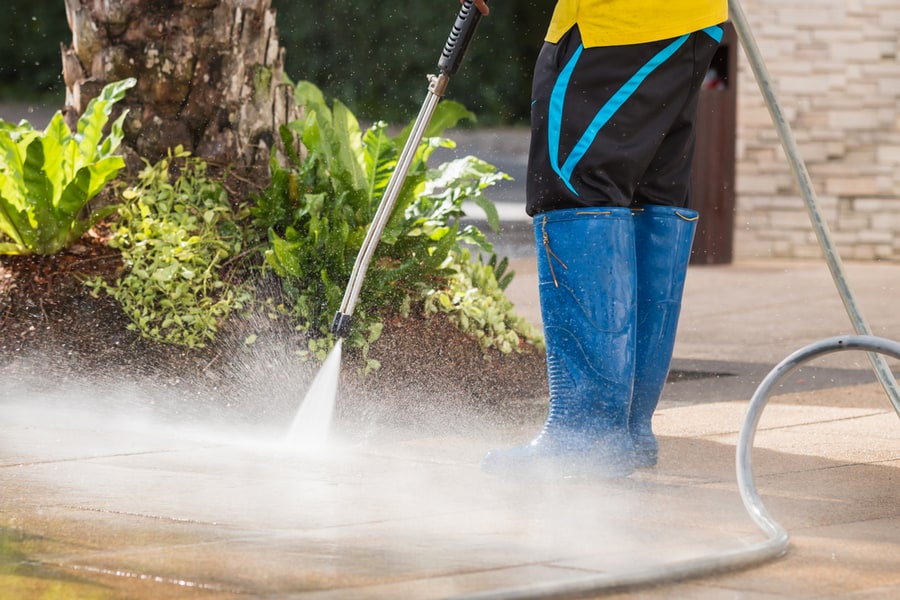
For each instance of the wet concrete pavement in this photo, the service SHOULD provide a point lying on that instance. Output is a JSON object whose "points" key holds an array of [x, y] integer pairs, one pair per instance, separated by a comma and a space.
{"points": [[98, 503], [111, 506]]}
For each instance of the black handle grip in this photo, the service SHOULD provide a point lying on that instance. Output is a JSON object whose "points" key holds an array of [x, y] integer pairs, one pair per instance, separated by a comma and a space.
{"points": [[460, 37]]}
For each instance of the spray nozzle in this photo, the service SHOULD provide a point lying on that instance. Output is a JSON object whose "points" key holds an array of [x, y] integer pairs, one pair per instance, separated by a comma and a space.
{"points": [[341, 324]]}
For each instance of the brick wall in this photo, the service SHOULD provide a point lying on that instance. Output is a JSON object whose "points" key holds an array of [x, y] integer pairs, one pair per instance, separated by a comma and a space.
{"points": [[836, 74]]}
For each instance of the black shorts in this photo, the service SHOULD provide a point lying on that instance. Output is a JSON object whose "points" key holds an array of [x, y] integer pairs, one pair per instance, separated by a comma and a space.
{"points": [[614, 126]]}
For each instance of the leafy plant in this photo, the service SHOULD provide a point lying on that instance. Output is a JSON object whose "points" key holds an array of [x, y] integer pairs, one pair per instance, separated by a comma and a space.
{"points": [[47, 178], [318, 209], [474, 299], [175, 237]]}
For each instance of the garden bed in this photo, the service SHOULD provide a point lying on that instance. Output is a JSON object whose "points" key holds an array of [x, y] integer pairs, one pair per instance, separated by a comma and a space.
{"points": [[55, 334]]}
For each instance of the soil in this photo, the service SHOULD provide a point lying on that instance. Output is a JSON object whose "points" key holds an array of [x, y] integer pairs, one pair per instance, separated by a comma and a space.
{"points": [[55, 335]]}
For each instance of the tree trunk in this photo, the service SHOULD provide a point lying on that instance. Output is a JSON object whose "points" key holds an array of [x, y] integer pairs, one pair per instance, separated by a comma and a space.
{"points": [[209, 73]]}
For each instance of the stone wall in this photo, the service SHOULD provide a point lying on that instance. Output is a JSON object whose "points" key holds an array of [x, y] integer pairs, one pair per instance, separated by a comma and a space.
{"points": [[835, 69]]}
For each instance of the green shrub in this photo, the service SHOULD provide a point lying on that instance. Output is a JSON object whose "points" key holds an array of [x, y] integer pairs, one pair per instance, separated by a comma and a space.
{"points": [[317, 212], [175, 237], [474, 299], [47, 178]]}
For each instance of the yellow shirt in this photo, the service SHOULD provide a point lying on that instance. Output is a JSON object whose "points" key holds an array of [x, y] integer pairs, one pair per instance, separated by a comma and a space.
{"points": [[622, 22]]}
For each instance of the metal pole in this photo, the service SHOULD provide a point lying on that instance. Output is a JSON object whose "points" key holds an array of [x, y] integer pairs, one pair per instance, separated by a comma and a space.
{"points": [[461, 35], [392, 191]]}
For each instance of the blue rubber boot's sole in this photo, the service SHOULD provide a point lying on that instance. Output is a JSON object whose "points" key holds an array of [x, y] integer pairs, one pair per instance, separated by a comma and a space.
{"points": [[646, 450], [548, 458]]}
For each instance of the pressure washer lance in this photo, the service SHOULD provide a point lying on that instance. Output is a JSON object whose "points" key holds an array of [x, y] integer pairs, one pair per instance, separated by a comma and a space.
{"points": [[457, 43]]}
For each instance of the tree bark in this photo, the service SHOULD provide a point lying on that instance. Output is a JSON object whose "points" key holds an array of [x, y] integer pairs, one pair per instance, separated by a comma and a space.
{"points": [[209, 73]]}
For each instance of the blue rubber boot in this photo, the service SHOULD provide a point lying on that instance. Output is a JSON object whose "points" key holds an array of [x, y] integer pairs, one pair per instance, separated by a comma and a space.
{"points": [[663, 238], [586, 276]]}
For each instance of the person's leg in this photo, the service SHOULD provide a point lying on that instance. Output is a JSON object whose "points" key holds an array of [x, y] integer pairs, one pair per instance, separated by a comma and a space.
{"points": [[587, 291], [664, 232], [597, 123], [666, 178], [663, 237]]}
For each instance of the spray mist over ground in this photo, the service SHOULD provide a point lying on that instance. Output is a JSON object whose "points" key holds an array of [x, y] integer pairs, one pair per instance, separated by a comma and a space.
{"points": [[416, 497], [176, 442], [117, 426]]}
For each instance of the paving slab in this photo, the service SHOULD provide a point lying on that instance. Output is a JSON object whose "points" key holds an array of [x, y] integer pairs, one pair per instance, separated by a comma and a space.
{"points": [[174, 513], [101, 502]]}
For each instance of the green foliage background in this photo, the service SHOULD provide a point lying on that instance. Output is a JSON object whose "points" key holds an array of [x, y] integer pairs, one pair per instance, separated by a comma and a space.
{"points": [[30, 61], [373, 55]]}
